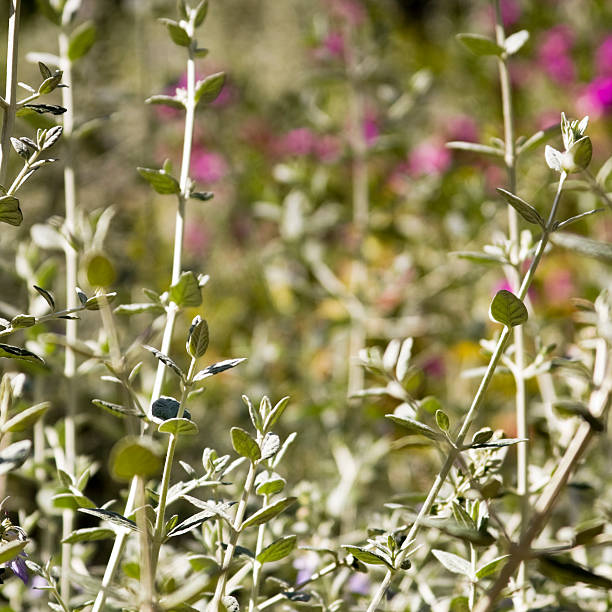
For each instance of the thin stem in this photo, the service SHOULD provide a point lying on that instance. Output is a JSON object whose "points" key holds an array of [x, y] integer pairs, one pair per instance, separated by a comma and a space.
{"points": [[10, 98], [147, 572], [71, 299], [119, 544], [213, 606], [522, 450], [257, 567], [471, 414]]}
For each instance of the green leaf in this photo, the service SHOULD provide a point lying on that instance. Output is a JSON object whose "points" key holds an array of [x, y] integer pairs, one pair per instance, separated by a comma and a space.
{"points": [[170, 101], [95, 302], [482, 435], [89, 534], [268, 512], [578, 157], [480, 45], [112, 517], [51, 137], [166, 408], [499, 443], [277, 550], [9, 210], [515, 41], [415, 427], [507, 309], [26, 418], [177, 33], [271, 484], [100, 270], [491, 567], [167, 361], [442, 420], [453, 563], [132, 309], [589, 530], [115, 409], [527, 211], [570, 220], [200, 12], [81, 40], [245, 445], [203, 196], [14, 455], [474, 147], [197, 341], [50, 84], [14, 352], [178, 426], [9, 550], [46, 295], [367, 556], [160, 181], [276, 413], [583, 246], [186, 291], [554, 158], [23, 320], [208, 89], [477, 257], [575, 408], [270, 445], [460, 604], [566, 571], [135, 456], [217, 368], [50, 12]]}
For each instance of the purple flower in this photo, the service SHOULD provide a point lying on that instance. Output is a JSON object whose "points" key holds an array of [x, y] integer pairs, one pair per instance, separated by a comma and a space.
{"points": [[371, 131], [327, 148], [603, 58], [306, 566], [462, 127], [554, 54], [298, 142], [596, 99], [19, 567], [207, 166], [429, 157], [334, 44], [359, 583]]}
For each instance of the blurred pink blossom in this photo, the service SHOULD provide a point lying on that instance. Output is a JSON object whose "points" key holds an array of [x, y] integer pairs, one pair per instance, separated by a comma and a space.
{"points": [[196, 239], [334, 44], [596, 99], [554, 54], [603, 57], [371, 131], [429, 157], [462, 127], [558, 285], [327, 148], [351, 11], [434, 367], [300, 141], [207, 166]]}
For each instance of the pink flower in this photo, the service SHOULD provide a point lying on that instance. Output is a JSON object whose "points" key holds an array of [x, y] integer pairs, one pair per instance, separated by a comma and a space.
{"points": [[208, 167], [558, 285], [603, 58], [299, 142], [334, 44], [196, 239], [327, 148], [434, 367], [554, 54], [462, 127], [371, 130], [429, 157], [596, 99], [351, 11]]}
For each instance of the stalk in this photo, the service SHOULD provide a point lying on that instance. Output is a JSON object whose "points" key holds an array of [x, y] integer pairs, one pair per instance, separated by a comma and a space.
{"points": [[10, 97], [213, 606], [71, 300], [522, 450], [172, 310], [471, 414], [257, 567]]}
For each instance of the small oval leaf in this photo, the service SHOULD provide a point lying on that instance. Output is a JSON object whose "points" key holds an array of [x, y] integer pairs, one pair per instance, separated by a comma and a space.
{"points": [[507, 309]]}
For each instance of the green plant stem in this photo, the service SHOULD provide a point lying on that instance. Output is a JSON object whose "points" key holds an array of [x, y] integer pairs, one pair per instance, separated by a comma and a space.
{"points": [[120, 540], [71, 299], [471, 414], [147, 573], [158, 534], [542, 509], [522, 450], [257, 567], [10, 97], [213, 606]]}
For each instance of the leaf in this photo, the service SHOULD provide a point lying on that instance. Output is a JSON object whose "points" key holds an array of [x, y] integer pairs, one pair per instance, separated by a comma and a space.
{"points": [[9, 550], [178, 426], [267, 513], [165, 360], [474, 147], [601, 251], [177, 33], [51, 137], [134, 456], [403, 359], [41, 109], [165, 408], [14, 455], [230, 603], [415, 427], [277, 550], [46, 295], [203, 196], [453, 563], [442, 420], [515, 41], [576, 408], [207, 90], [112, 517], [482, 258], [197, 341], [491, 567], [115, 409], [273, 483], [554, 158], [269, 445], [200, 12], [527, 211], [480, 45], [499, 443], [589, 530], [217, 368], [160, 181], [132, 309], [566, 571], [276, 412], [186, 291], [245, 445], [81, 41], [367, 556], [575, 218], [507, 309], [482, 435], [14, 352], [220, 509], [171, 101], [100, 270], [9, 210], [89, 534], [26, 418], [190, 523]]}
